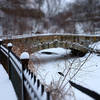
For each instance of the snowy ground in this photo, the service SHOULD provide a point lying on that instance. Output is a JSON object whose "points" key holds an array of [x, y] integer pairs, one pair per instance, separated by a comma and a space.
{"points": [[6, 89], [48, 66]]}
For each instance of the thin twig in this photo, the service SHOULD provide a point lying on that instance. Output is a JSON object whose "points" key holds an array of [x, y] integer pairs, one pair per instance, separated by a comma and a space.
{"points": [[77, 70]]}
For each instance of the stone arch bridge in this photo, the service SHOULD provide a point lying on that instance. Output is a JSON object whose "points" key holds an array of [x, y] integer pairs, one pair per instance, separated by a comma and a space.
{"points": [[38, 42]]}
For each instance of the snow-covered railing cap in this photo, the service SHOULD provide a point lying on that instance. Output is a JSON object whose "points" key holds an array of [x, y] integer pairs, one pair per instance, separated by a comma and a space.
{"points": [[24, 55], [1, 40], [9, 45]]}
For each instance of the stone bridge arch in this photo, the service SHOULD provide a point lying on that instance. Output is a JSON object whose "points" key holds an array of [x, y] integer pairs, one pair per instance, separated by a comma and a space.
{"points": [[36, 43]]}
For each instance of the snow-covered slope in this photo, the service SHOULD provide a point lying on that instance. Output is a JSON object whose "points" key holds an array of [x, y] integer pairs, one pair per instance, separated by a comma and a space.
{"points": [[6, 88], [88, 75], [95, 45]]}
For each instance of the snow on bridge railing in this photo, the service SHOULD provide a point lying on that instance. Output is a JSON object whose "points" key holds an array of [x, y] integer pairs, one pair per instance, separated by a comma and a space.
{"points": [[26, 85], [46, 34], [10, 56], [34, 87]]}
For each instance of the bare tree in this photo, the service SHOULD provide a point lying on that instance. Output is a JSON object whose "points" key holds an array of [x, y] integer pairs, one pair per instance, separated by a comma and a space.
{"points": [[84, 11], [40, 3], [53, 6]]}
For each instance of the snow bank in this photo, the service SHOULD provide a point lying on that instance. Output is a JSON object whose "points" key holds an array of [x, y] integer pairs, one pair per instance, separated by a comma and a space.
{"points": [[49, 54], [88, 76], [59, 51], [6, 89]]}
